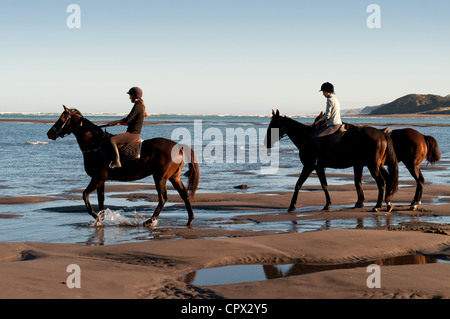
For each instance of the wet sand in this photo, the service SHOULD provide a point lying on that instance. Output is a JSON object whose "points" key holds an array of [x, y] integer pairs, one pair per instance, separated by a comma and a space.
{"points": [[152, 269]]}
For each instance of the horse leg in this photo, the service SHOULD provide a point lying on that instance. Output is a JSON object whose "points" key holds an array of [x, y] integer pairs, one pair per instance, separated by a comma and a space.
{"points": [[303, 177], [386, 177], [358, 170], [420, 180], [323, 181], [101, 197], [160, 184], [376, 174], [92, 187], [178, 185]]}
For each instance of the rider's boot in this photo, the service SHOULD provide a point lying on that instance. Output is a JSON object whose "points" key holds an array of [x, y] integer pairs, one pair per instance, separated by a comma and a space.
{"points": [[116, 160]]}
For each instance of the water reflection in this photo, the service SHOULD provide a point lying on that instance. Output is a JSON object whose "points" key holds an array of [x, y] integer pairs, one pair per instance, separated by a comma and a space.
{"points": [[247, 273], [373, 222]]}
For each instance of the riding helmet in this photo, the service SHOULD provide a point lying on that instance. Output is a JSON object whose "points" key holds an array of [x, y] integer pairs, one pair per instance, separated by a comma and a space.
{"points": [[135, 91], [327, 87]]}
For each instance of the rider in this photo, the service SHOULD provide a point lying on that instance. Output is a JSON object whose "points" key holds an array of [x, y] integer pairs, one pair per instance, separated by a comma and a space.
{"points": [[332, 117], [134, 121]]}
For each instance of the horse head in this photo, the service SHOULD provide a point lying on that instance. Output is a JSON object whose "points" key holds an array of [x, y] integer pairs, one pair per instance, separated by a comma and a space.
{"points": [[67, 123], [275, 131]]}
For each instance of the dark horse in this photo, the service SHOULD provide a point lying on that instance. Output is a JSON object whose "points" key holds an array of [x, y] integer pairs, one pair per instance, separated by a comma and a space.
{"points": [[412, 148], [358, 147], [162, 158]]}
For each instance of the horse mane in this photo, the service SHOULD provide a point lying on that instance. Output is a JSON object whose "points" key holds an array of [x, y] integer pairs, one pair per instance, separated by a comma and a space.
{"points": [[297, 126], [299, 133], [94, 128]]}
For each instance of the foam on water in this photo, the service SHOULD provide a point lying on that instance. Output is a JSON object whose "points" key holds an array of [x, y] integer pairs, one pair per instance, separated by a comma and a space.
{"points": [[37, 143], [113, 218]]}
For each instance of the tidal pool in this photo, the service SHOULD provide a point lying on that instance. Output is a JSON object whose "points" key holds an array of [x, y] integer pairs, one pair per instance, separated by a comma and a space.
{"points": [[247, 273]]}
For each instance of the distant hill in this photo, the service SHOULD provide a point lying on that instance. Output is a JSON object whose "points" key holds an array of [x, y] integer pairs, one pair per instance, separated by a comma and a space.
{"points": [[369, 109], [415, 103]]}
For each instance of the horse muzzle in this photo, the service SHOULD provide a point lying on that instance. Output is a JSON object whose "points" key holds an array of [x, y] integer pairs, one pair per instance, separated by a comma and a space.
{"points": [[52, 135]]}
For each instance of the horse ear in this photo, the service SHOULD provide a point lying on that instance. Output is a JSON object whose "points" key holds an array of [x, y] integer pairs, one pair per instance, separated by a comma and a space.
{"points": [[66, 109], [278, 113], [273, 112]]}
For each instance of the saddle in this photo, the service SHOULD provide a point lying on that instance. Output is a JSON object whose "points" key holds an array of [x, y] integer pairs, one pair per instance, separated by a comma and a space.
{"points": [[326, 143], [127, 152], [334, 138], [130, 151]]}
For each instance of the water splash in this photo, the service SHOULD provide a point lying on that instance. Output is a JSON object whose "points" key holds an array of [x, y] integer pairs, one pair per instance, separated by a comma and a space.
{"points": [[108, 217]]}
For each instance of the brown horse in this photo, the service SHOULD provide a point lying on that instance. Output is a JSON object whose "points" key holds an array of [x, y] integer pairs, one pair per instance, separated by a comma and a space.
{"points": [[358, 147], [412, 148], [162, 158]]}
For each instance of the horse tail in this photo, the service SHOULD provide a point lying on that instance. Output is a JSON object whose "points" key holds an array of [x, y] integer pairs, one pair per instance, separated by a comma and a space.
{"points": [[434, 154], [193, 173], [392, 163]]}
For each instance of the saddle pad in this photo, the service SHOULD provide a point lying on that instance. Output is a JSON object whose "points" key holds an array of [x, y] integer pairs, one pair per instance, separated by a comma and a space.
{"points": [[130, 151]]}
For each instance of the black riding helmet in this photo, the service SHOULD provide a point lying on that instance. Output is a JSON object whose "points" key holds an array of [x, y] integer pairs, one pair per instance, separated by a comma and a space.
{"points": [[135, 91], [327, 87]]}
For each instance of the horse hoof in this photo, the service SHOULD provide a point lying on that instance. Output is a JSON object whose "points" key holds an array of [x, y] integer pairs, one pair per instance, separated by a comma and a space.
{"points": [[189, 223], [152, 222], [291, 209], [99, 219], [326, 208], [390, 208], [375, 210]]}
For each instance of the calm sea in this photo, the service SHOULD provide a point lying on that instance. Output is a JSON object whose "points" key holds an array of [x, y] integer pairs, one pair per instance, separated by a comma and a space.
{"points": [[32, 165]]}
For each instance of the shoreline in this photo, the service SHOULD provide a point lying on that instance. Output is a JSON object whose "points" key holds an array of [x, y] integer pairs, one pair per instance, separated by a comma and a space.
{"points": [[177, 120]]}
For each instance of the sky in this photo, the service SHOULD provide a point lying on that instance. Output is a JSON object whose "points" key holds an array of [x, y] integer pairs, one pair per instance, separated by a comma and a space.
{"points": [[240, 57]]}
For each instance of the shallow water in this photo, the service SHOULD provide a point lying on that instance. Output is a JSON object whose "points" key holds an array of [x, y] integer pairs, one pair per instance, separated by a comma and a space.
{"points": [[47, 223], [34, 166], [247, 273]]}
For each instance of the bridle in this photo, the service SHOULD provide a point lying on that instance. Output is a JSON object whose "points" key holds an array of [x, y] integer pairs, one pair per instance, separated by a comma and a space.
{"points": [[61, 133], [282, 132]]}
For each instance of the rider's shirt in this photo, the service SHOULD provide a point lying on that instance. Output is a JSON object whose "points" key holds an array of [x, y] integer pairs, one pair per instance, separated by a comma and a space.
{"points": [[135, 119], [333, 112]]}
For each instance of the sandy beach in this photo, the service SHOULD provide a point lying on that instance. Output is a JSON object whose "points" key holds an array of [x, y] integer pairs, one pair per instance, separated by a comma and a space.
{"points": [[153, 269]]}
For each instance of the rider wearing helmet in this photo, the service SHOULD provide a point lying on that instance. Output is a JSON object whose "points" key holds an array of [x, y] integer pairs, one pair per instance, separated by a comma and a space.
{"points": [[134, 121], [332, 116], [331, 119]]}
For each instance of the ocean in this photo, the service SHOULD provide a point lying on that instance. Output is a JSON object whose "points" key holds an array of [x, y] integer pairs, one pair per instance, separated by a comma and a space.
{"points": [[33, 166]]}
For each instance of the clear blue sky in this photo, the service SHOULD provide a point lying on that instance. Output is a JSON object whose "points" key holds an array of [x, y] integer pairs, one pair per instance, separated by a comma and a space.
{"points": [[219, 56]]}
